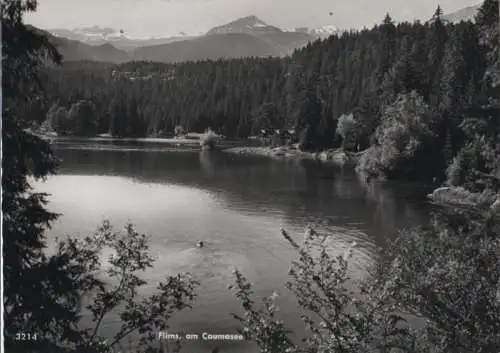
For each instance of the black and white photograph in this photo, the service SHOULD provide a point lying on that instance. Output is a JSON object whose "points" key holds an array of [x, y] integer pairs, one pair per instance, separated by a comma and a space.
{"points": [[250, 176]]}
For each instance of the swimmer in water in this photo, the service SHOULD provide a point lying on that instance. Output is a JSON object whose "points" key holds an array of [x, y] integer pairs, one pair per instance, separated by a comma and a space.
{"points": [[200, 244]]}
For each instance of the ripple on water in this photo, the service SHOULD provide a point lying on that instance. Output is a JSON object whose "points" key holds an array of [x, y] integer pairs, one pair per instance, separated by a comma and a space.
{"points": [[240, 230], [208, 264]]}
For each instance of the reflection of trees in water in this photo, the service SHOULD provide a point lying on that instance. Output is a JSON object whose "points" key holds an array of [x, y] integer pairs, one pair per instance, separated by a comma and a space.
{"points": [[306, 191], [206, 162], [395, 205]]}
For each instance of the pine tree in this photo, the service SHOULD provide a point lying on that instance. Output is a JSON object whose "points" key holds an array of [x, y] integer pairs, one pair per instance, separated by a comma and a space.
{"points": [[436, 43], [454, 75], [387, 47], [36, 297], [83, 118], [308, 117]]}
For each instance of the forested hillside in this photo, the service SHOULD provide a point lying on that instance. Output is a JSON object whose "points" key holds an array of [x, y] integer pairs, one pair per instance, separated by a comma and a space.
{"points": [[418, 93]]}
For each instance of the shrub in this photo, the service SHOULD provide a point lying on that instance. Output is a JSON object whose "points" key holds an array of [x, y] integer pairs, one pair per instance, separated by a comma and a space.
{"points": [[57, 121], [447, 273], [208, 140], [335, 319], [475, 167], [83, 281], [46, 127], [179, 131], [346, 127], [369, 162], [401, 138]]}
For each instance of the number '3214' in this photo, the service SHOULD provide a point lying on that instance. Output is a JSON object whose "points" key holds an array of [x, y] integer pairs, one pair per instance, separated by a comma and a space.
{"points": [[23, 336]]}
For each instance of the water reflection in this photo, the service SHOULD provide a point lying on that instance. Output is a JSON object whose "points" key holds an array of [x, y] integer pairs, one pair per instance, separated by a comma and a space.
{"points": [[206, 162], [236, 205], [306, 191]]}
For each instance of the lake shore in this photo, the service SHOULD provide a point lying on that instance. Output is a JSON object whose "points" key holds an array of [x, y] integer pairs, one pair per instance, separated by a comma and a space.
{"points": [[458, 196], [451, 196], [335, 156], [170, 141], [338, 156], [190, 142]]}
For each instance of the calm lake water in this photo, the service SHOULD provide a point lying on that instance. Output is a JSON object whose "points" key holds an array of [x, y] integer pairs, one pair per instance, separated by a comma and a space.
{"points": [[236, 205]]}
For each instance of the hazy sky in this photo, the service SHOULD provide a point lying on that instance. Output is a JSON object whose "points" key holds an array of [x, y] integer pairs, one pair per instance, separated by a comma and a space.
{"points": [[168, 17]]}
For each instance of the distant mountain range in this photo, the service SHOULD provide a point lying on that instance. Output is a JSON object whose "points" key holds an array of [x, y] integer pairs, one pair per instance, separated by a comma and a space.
{"points": [[245, 37], [73, 50], [230, 45], [98, 36], [465, 14]]}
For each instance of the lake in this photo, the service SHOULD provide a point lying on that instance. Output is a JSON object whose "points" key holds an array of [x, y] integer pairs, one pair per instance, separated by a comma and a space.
{"points": [[236, 205]]}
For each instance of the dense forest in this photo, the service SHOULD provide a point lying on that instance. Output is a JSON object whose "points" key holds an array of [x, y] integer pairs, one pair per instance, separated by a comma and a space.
{"points": [[400, 90]]}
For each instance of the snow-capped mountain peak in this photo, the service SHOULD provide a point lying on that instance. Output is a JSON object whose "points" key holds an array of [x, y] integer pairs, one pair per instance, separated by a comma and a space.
{"points": [[249, 24], [322, 32], [95, 31], [327, 30], [89, 34]]}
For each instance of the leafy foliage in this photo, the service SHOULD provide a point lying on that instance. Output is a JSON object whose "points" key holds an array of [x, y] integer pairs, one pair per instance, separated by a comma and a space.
{"points": [[208, 139], [336, 320], [477, 165], [261, 325], [447, 274], [346, 126], [179, 131], [57, 120], [140, 315], [402, 136]]}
